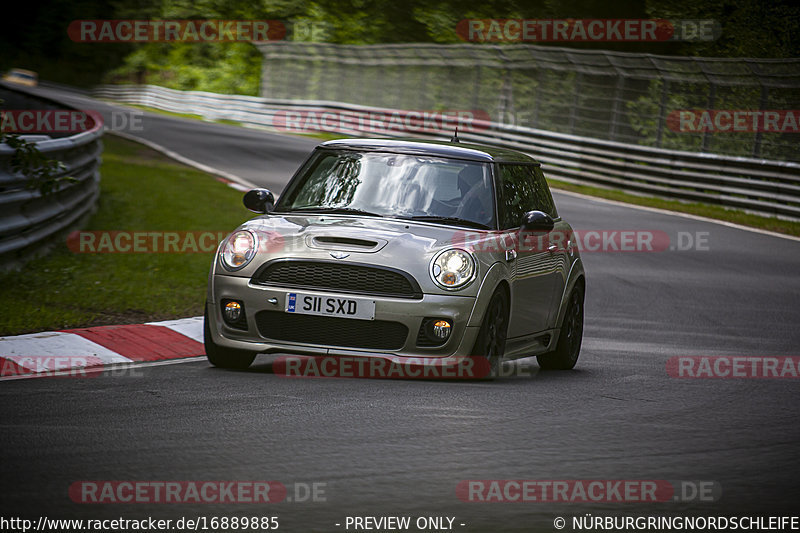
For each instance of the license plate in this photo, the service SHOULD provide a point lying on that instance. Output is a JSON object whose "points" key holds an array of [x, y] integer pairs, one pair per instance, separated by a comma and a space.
{"points": [[309, 304]]}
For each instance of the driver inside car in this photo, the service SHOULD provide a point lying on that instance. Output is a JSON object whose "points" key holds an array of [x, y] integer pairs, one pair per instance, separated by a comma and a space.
{"points": [[475, 196]]}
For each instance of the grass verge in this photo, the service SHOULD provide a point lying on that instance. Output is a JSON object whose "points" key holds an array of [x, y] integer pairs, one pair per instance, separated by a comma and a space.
{"points": [[141, 190]]}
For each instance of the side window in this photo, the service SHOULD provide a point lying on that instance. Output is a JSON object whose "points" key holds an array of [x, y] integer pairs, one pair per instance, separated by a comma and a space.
{"points": [[522, 189], [546, 202]]}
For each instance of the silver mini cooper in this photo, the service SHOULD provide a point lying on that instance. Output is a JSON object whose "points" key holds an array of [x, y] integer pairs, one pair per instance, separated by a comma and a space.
{"points": [[398, 249]]}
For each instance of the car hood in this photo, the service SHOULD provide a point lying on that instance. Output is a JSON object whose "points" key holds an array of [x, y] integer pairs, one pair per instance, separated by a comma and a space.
{"points": [[355, 234], [404, 245]]}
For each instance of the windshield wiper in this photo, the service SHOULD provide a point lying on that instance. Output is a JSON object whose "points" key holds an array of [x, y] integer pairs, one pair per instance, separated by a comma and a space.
{"points": [[335, 210], [452, 220]]}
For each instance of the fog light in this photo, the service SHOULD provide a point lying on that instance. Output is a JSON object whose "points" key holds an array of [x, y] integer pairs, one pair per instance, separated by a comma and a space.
{"points": [[441, 329], [233, 310]]}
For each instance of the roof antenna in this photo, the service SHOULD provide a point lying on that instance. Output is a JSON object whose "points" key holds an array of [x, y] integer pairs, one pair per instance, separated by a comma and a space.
{"points": [[454, 138]]}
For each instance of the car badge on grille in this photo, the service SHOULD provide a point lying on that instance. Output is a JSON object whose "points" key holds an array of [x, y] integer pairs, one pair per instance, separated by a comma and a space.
{"points": [[339, 255]]}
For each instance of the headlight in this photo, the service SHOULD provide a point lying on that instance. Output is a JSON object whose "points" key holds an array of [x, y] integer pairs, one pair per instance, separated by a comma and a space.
{"points": [[453, 269], [239, 249]]}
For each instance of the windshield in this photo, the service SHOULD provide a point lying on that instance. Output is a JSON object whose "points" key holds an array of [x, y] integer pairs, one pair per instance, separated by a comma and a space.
{"points": [[394, 185]]}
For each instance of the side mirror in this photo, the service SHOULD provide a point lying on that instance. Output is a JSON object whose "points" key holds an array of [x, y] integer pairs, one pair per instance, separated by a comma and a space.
{"points": [[537, 221], [259, 200]]}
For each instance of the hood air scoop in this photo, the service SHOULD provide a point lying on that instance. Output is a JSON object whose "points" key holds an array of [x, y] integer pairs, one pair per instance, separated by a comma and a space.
{"points": [[346, 243]]}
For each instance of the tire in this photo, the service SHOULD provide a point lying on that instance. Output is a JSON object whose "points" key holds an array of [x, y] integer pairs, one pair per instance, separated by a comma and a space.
{"points": [[491, 342], [224, 357], [568, 348]]}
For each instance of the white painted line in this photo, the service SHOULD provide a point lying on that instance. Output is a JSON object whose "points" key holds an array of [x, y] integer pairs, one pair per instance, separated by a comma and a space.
{"points": [[677, 214], [190, 327], [246, 185], [173, 361], [33, 351], [239, 187], [100, 369]]}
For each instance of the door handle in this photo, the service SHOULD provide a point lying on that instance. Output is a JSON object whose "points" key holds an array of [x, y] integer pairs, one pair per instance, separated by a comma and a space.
{"points": [[552, 248], [511, 255]]}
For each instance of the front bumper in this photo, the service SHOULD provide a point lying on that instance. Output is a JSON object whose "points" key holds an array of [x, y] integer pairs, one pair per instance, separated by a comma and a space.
{"points": [[408, 312]]}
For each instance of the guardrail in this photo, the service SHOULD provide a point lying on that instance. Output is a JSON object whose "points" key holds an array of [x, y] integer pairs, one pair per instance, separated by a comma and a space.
{"points": [[760, 186], [30, 220]]}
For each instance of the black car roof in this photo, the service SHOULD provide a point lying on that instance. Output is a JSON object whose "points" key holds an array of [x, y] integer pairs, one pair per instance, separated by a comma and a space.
{"points": [[457, 150]]}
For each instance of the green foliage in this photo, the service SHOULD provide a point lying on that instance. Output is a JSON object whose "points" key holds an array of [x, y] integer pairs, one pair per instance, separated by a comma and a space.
{"points": [[228, 68], [660, 100], [750, 28], [42, 173]]}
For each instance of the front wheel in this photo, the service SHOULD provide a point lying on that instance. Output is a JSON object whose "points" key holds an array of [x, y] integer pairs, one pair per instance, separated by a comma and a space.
{"points": [[568, 348], [224, 357], [490, 346]]}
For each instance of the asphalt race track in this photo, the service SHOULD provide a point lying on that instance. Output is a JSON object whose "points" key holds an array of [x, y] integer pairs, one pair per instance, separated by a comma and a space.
{"points": [[401, 448]]}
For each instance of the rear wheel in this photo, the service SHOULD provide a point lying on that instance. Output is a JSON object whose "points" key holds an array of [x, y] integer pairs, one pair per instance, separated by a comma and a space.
{"points": [[224, 357], [568, 348], [491, 342]]}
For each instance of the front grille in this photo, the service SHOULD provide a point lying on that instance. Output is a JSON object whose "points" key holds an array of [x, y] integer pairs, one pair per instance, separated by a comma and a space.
{"points": [[338, 277], [331, 331]]}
